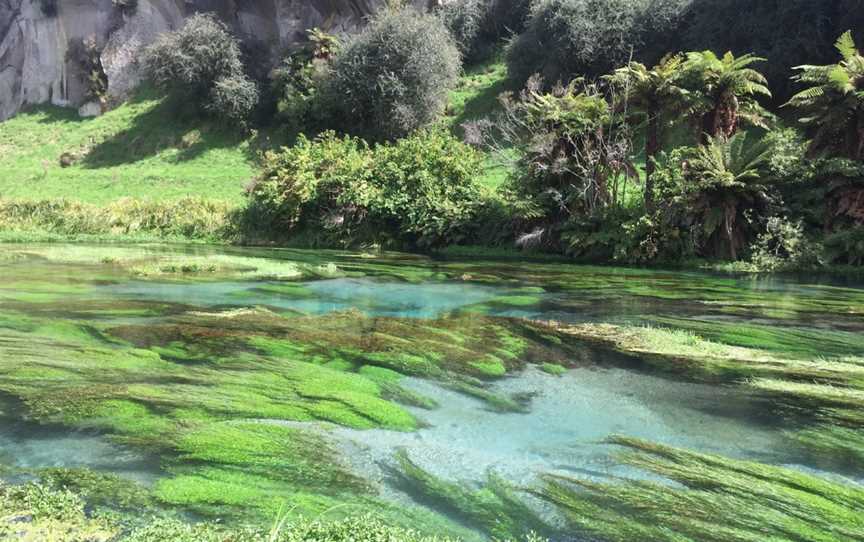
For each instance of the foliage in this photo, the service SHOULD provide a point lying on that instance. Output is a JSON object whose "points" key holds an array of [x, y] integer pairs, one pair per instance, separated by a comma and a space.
{"points": [[420, 190], [834, 102], [846, 246], [715, 498], [202, 63], [727, 88], [654, 95], [718, 191], [627, 235], [784, 246], [297, 81], [394, 76], [789, 32], [573, 151], [188, 218], [568, 38], [479, 25], [88, 55]]}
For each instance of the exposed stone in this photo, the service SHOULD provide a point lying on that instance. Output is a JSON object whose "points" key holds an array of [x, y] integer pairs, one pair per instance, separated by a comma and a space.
{"points": [[34, 68], [90, 109]]}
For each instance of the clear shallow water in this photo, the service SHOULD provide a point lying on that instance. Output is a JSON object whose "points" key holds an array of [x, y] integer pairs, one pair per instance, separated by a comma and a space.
{"points": [[570, 415], [461, 439], [374, 297]]}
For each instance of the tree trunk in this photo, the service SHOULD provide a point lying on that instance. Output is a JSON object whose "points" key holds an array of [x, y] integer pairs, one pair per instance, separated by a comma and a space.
{"points": [[726, 117], [652, 147]]}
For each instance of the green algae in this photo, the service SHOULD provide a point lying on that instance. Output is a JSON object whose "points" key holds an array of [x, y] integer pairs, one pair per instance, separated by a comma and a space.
{"points": [[789, 341], [497, 508], [553, 369], [715, 498], [187, 382]]}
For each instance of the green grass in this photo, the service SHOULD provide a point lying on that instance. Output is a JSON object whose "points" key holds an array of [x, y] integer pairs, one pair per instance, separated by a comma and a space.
{"points": [[144, 148], [475, 98]]}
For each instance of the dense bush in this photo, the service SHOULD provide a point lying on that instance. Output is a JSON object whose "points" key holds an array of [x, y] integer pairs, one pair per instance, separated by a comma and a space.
{"points": [[568, 38], [419, 191], [202, 64], [394, 76], [479, 25], [297, 81], [786, 32]]}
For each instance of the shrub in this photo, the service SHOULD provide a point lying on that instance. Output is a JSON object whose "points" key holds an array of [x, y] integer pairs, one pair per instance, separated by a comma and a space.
{"points": [[789, 32], [783, 246], [201, 63], [325, 180], [464, 20], [568, 38], [478, 25], [417, 192], [846, 246], [88, 55], [296, 82], [395, 75]]}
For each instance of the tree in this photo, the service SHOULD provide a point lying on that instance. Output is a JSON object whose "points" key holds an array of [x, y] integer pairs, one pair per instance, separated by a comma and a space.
{"points": [[724, 186], [834, 102], [728, 88], [652, 95], [394, 76], [202, 63]]}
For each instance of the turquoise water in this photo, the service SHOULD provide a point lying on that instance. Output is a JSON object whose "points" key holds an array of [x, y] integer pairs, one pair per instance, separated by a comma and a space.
{"points": [[68, 302]]}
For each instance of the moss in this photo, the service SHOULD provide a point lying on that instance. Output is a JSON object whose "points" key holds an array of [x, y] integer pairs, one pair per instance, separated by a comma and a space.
{"points": [[98, 488], [36, 512], [553, 369], [516, 301], [490, 366]]}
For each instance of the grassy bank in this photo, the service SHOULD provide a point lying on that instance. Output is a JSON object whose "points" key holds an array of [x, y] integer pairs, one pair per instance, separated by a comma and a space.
{"points": [[143, 149]]}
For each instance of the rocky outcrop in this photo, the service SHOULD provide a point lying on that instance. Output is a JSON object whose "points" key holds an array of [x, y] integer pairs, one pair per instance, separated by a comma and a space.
{"points": [[34, 64]]}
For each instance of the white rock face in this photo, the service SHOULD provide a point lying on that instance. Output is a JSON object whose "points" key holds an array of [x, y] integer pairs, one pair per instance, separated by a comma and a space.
{"points": [[34, 68]]}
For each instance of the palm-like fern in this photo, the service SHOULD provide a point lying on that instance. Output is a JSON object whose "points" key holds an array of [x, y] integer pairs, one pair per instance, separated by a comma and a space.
{"points": [[726, 183], [834, 101], [652, 94], [729, 88]]}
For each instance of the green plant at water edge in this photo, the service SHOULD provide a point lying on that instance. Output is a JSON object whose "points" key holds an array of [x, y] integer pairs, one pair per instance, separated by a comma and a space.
{"points": [[721, 500], [188, 218], [718, 191], [419, 191]]}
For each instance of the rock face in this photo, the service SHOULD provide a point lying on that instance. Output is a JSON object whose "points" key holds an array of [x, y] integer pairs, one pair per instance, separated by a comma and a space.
{"points": [[35, 67]]}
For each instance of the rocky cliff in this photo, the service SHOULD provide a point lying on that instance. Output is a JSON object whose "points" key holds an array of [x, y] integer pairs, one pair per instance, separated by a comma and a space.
{"points": [[36, 36]]}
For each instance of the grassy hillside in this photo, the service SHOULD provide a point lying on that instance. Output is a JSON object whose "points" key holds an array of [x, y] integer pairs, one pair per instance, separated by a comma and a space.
{"points": [[150, 149], [144, 149]]}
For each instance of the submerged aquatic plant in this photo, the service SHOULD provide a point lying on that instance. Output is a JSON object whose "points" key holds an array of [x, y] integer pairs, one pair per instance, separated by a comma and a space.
{"points": [[714, 499]]}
